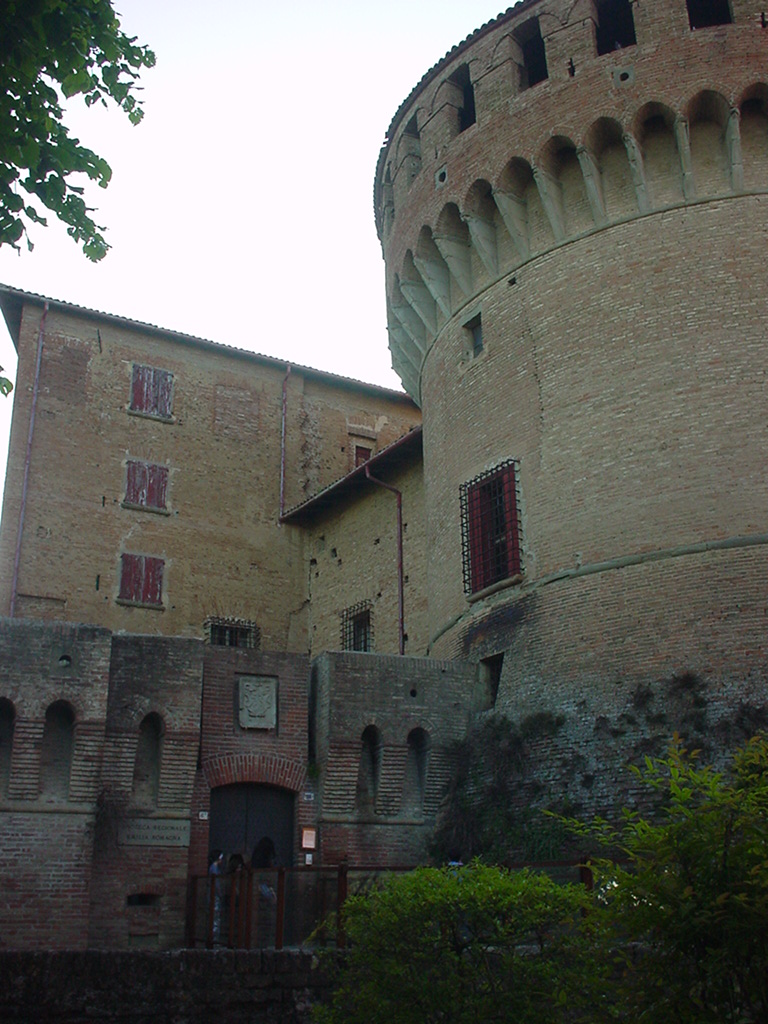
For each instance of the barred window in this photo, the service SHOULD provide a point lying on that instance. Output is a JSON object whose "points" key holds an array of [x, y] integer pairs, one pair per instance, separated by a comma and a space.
{"points": [[229, 632], [357, 628], [490, 526]]}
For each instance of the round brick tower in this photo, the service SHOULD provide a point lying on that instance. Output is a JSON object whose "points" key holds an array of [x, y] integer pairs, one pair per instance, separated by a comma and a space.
{"points": [[573, 208]]}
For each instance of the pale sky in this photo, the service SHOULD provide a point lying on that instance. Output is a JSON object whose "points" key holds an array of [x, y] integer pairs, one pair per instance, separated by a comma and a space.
{"points": [[241, 209]]}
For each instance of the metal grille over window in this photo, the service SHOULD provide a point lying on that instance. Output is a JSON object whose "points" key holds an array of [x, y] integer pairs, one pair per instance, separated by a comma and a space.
{"points": [[228, 632], [357, 628], [152, 391], [490, 526]]}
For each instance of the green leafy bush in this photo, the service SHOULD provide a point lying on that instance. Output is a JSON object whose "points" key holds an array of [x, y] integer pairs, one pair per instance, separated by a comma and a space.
{"points": [[688, 908], [466, 944]]}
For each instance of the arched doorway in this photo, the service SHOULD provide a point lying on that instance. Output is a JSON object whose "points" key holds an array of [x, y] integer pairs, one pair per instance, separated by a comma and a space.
{"points": [[243, 813]]}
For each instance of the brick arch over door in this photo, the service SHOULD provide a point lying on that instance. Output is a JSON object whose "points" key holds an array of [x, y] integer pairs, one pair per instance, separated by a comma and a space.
{"points": [[262, 768]]}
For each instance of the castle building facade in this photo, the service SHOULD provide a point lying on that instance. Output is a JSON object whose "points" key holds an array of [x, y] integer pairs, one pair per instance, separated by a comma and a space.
{"points": [[244, 597]]}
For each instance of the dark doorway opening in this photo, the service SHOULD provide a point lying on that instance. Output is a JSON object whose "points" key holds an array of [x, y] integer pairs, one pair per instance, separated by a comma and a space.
{"points": [[244, 813]]}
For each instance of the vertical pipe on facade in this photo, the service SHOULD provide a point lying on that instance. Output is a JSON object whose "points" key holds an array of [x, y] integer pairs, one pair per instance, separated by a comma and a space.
{"points": [[27, 459], [282, 439], [400, 601]]}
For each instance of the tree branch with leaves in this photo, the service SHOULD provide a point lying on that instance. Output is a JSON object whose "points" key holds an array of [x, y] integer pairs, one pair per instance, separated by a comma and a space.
{"points": [[51, 51]]}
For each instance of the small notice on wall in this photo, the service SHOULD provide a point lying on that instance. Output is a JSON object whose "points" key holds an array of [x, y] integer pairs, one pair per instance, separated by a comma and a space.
{"points": [[154, 832]]}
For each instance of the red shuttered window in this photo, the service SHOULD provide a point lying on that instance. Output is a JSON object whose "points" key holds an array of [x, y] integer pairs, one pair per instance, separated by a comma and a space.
{"points": [[141, 580], [490, 528], [146, 485], [152, 391]]}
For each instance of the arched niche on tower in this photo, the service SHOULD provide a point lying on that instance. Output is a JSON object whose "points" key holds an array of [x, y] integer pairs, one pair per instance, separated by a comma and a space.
{"points": [[451, 236], [708, 118], [605, 141], [520, 205], [484, 221], [433, 269], [563, 188], [654, 129], [754, 136]]}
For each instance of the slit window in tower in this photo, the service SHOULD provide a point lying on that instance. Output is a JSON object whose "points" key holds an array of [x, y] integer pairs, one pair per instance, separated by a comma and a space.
{"points": [[490, 528], [475, 329], [706, 13], [467, 114], [534, 69], [615, 26]]}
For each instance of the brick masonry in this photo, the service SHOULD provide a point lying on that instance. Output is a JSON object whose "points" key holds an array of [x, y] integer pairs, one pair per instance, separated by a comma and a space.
{"points": [[607, 225]]}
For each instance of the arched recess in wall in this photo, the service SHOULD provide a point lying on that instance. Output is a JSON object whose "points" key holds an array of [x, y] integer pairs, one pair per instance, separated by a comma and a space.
{"points": [[605, 140], [434, 270], [7, 724], [654, 129], [560, 162], [708, 118], [754, 137], [415, 780], [146, 768], [56, 753], [451, 236], [519, 203], [483, 221], [369, 771]]}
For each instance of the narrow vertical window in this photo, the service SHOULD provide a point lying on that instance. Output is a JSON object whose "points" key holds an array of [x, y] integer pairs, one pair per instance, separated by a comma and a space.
{"points": [[615, 26], [7, 723], [707, 13], [534, 67], [151, 391], [146, 485], [56, 752], [369, 770], [416, 772], [490, 528], [146, 768], [141, 580], [474, 328]]}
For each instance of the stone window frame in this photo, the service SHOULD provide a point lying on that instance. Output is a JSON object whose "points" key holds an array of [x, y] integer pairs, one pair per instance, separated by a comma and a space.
{"points": [[151, 393], [141, 581], [146, 486]]}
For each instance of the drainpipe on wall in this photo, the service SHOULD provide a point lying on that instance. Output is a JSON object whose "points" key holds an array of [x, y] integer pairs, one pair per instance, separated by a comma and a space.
{"points": [[282, 439], [27, 459], [400, 602]]}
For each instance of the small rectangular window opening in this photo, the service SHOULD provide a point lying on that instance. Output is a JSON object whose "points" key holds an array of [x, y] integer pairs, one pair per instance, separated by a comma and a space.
{"points": [[616, 26], [475, 329], [534, 69], [362, 454], [467, 114], [226, 632], [357, 628], [707, 13]]}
